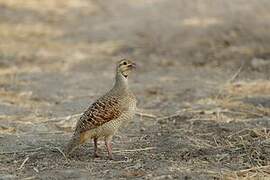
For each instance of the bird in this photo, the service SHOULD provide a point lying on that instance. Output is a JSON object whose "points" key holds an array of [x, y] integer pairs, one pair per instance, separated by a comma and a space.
{"points": [[105, 116]]}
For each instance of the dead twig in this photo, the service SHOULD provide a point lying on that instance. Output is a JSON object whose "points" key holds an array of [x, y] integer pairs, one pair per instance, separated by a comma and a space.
{"points": [[135, 150], [236, 74], [62, 118], [117, 162], [59, 150], [37, 149], [36, 169], [30, 178], [145, 115], [27, 150], [140, 112], [252, 169], [252, 113], [23, 163], [169, 117]]}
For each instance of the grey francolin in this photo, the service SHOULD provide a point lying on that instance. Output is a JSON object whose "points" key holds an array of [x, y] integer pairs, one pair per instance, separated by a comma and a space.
{"points": [[104, 117]]}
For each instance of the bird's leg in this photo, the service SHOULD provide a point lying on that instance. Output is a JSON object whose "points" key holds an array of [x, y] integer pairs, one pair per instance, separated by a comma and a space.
{"points": [[96, 147], [108, 143]]}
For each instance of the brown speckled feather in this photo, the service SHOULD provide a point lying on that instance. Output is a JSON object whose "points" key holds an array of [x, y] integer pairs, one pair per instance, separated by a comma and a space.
{"points": [[102, 111]]}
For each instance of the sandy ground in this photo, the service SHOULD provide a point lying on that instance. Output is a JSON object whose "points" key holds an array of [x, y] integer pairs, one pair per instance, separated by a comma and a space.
{"points": [[203, 76]]}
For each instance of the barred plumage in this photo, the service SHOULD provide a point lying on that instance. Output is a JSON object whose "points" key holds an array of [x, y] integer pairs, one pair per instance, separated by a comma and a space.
{"points": [[104, 117]]}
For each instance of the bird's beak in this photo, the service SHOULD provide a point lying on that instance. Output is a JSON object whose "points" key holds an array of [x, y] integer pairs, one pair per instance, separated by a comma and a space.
{"points": [[132, 65]]}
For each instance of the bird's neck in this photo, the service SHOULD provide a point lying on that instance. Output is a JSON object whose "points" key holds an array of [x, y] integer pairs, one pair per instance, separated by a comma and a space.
{"points": [[121, 82]]}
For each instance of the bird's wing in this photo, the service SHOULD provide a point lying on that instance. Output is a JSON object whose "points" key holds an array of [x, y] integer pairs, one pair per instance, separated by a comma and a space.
{"points": [[100, 112]]}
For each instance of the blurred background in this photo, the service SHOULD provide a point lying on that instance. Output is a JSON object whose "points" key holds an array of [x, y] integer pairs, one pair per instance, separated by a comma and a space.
{"points": [[203, 66]]}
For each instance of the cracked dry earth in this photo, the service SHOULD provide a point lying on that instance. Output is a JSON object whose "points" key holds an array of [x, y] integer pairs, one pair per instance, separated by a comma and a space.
{"points": [[203, 76]]}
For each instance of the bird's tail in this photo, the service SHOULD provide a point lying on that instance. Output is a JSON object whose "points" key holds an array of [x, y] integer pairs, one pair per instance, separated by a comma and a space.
{"points": [[73, 144]]}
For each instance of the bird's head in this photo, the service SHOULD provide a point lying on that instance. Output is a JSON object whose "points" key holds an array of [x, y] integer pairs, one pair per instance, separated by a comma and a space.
{"points": [[125, 66]]}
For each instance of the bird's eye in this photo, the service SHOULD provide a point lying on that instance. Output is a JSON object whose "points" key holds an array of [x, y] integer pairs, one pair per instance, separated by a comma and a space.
{"points": [[124, 63]]}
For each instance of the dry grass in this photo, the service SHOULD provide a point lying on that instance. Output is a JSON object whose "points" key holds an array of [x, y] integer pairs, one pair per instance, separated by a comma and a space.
{"points": [[248, 147], [35, 31], [50, 6], [242, 153], [29, 48], [21, 100], [229, 109], [255, 88], [231, 105], [201, 22]]}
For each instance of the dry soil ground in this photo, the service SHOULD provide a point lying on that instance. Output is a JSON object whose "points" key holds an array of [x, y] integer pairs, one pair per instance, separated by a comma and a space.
{"points": [[204, 69]]}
